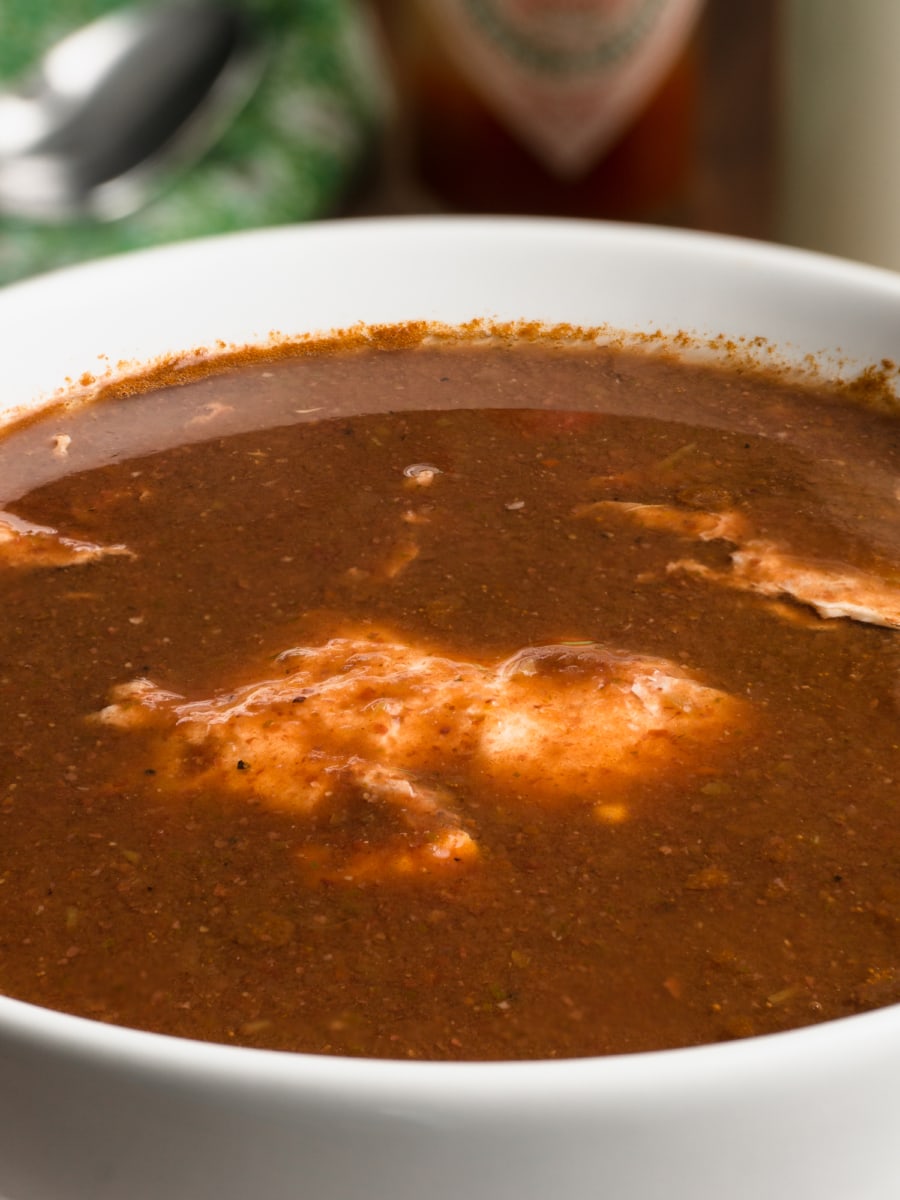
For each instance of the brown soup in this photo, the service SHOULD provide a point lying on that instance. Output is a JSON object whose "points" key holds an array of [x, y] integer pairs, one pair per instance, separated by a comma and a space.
{"points": [[453, 702]]}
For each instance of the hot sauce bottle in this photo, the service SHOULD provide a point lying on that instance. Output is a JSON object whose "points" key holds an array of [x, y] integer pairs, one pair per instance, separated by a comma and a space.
{"points": [[565, 107]]}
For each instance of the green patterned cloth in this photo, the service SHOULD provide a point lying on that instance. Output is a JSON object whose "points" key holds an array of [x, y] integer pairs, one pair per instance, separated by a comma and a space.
{"points": [[292, 154]]}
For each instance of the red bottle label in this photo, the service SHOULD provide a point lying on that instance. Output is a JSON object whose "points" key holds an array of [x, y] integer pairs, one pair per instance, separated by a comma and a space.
{"points": [[565, 76]]}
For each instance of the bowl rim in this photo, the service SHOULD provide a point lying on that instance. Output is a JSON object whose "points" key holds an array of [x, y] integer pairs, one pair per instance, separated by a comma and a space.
{"points": [[28, 301]]}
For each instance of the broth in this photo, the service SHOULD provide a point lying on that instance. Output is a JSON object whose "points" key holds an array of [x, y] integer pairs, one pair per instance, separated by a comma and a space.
{"points": [[478, 701]]}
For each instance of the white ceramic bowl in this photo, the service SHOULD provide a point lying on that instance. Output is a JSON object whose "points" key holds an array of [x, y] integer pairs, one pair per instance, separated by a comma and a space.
{"points": [[90, 1111]]}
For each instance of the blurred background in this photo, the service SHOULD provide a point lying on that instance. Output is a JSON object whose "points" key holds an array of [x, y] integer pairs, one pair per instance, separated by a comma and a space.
{"points": [[125, 125]]}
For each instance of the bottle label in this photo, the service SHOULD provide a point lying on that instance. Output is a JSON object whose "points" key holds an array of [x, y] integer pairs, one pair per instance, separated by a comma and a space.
{"points": [[566, 76]]}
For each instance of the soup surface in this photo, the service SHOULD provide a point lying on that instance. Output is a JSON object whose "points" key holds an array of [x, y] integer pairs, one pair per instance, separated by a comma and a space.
{"points": [[470, 701]]}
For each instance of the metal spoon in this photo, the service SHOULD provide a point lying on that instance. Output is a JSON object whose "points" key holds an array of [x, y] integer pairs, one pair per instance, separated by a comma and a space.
{"points": [[113, 108]]}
